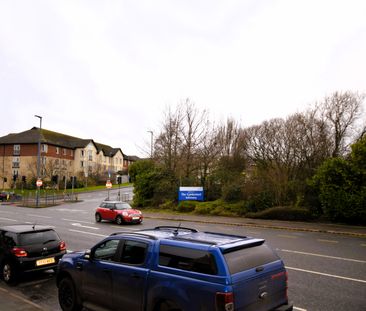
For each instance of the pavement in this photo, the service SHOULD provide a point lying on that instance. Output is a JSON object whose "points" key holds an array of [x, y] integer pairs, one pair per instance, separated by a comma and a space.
{"points": [[12, 301]]}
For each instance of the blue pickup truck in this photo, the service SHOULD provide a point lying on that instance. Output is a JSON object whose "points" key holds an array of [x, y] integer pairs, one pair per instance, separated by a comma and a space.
{"points": [[173, 269]]}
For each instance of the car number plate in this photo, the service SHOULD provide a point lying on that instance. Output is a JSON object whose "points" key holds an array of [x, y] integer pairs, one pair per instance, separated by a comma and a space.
{"points": [[135, 218], [45, 261]]}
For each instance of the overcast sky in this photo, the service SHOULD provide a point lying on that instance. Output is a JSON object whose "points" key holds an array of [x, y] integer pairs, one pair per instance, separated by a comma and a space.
{"points": [[108, 69]]}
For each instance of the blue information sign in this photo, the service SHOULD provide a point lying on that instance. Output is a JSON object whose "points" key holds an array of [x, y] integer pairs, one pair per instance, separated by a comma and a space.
{"points": [[190, 193]]}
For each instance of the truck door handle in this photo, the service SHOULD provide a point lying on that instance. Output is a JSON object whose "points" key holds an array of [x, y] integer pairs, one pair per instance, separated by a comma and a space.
{"points": [[79, 266]]}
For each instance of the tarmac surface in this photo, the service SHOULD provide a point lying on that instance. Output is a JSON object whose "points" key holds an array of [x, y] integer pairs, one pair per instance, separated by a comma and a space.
{"points": [[11, 301]]}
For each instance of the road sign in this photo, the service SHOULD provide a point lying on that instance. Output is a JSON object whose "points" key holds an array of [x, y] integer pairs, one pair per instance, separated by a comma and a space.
{"points": [[190, 193], [39, 182], [108, 184]]}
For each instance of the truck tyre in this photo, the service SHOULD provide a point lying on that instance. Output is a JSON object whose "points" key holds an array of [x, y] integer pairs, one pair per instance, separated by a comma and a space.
{"points": [[67, 296]]}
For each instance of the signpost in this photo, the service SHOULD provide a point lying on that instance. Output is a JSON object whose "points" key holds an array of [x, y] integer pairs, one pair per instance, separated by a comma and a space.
{"points": [[109, 186], [39, 185], [190, 193]]}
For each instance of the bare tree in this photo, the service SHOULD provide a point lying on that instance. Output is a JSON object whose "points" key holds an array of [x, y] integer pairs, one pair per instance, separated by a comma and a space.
{"points": [[192, 134], [208, 152], [340, 111], [169, 140]]}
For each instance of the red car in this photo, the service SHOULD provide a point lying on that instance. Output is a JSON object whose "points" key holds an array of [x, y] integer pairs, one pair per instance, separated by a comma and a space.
{"points": [[120, 212]]}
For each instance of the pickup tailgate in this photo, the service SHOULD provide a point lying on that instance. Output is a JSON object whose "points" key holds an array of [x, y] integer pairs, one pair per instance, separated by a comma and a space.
{"points": [[258, 278]]}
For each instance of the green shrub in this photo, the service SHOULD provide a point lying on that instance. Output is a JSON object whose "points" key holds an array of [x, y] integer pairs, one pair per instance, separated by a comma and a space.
{"points": [[220, 208], [186, 206], [232, 192], [168, 205], [283, 213], [204, 208]]}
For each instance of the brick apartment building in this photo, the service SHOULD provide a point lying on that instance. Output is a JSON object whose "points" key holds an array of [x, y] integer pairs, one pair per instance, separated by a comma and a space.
{"points": [[61, 156]]}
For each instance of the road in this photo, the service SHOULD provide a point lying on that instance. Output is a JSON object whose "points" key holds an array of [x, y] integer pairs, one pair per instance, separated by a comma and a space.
{"points": [[326, 271]]}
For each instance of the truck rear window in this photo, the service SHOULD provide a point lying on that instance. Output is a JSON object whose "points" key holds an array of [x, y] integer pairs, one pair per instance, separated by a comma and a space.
{"points": [[247, 258], [187, 259]]}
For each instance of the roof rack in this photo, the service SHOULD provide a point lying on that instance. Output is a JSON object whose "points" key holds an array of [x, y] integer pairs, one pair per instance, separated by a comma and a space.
{"points": [[175, 228], [139, 234]]}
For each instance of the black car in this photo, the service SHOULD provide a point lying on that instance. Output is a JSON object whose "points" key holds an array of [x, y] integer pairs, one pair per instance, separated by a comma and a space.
{"points": [[28, 248]]}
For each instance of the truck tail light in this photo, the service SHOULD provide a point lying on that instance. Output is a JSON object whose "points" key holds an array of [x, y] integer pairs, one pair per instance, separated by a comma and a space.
{"points": [[19, 252], [224, 301], [62, 246]]}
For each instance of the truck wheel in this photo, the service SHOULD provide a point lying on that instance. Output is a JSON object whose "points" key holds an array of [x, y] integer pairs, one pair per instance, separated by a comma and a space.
{"points": [[98, 218], [119, 220], [67, 296]]}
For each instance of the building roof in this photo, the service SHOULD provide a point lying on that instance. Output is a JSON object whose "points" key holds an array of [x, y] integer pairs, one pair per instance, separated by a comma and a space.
{"points": [[57, 139]]}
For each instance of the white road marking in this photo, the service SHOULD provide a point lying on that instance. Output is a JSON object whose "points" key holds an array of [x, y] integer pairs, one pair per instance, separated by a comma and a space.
{"points": [[300, 309], [287, 236], [327, 241], [33, 215], [325, 256], [8, 219], [89, 233], [71, 210], [326, 274], [80, 221], [80, 225], [124, 228]]}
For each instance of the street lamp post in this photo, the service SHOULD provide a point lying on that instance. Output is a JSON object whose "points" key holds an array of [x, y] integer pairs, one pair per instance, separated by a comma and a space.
{"points": [[38, 157], [151, 143]]}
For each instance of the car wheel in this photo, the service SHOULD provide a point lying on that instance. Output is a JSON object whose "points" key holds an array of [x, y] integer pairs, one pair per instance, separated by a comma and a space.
{"points": [[119, 220], [98, 218], [9, 273], [67, 296]]}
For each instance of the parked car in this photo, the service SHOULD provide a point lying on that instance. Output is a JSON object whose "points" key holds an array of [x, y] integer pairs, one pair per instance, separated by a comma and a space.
{"points": [[170, 268], [3, 196], [9, 196], [118, 211], [28, 248]]}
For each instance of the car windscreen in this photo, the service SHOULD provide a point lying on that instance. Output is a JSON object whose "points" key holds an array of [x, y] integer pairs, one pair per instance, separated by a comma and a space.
{"points": [[123, 206], [247, 258], [38, 237]]}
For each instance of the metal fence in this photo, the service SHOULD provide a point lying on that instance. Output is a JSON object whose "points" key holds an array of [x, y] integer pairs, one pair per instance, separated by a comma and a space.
{"points": [[46, 199]]}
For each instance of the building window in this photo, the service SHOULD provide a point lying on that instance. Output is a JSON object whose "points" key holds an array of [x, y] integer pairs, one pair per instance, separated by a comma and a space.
{"points": [[44, 148], [57, 150], [82, 152], [90, 155], [16, 162], [64, 151], [81, 163], [16, 150]]}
